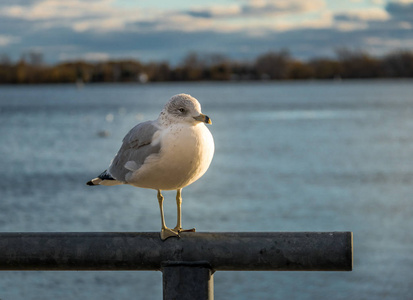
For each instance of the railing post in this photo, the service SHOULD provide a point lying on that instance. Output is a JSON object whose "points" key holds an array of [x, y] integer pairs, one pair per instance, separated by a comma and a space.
{"points": [[187, 281]]}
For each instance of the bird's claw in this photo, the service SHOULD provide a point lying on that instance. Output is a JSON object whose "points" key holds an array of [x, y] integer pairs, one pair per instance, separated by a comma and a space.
{"points": [[180, 229], [167, 233]]}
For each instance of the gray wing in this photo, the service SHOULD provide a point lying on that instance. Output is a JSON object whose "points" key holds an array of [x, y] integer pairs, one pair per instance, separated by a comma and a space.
{"points": [[136, 148]]}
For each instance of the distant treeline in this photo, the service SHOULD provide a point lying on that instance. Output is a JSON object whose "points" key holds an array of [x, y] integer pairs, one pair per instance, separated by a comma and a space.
{"points": [[278, 65]]}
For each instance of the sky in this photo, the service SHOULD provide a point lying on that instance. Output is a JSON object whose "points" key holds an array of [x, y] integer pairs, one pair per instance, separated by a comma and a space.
{"points": [[166, 30]]}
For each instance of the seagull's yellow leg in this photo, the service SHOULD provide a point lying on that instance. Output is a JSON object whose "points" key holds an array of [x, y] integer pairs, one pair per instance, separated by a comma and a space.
{"points": [[178, 226], [165, 231]]}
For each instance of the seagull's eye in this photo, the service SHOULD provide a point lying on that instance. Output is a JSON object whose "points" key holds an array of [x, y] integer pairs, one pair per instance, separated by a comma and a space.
{"points": [[182, 110]]}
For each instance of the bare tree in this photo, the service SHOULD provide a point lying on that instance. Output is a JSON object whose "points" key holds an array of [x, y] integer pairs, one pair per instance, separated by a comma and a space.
{"points": [[273, 65]]}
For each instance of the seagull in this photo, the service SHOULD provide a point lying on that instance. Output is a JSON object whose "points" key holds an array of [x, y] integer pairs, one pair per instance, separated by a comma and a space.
{"points": [[168, 153]]}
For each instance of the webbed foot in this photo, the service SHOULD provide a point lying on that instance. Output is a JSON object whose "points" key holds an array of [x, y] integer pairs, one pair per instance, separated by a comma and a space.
{"points": [[167, 233], [180, 229]]}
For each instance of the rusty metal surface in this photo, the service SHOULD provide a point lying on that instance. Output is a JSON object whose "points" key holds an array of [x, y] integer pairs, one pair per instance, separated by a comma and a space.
{"points": [[248, 251]]}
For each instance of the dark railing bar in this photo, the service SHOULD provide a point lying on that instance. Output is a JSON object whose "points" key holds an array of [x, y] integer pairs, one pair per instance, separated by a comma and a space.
{"points": [[223, 251]]}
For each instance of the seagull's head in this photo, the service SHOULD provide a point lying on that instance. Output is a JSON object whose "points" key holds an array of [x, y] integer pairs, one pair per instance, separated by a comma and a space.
{"points": [[184, 108]]}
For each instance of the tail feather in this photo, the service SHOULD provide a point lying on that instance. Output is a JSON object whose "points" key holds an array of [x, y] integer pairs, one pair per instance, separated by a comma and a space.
{"points": [[104, 179], [94, 181]]}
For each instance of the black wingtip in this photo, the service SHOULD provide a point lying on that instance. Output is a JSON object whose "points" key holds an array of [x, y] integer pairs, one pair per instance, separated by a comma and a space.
{"points": [[89, 183]]}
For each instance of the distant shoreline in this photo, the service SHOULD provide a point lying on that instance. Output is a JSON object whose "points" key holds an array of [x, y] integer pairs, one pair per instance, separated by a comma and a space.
{"points": [[271, 66], [200, 82]]}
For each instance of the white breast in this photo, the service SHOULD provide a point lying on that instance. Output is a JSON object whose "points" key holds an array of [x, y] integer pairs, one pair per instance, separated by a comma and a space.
{"points": [[186, 153]]}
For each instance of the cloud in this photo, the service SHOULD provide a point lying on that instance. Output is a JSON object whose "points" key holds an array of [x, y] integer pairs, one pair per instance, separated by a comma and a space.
{"points": [[172, 45], [255, 8], [360, 19], [53, 9], [256, 17], [319, 20], [18, 2], [377, 2], [373, 14], [80, 15], [103, 16], [89, 56], [215, 11], [279, 7], [6, 40], [389, 43], [98, 30], [402, 10]]}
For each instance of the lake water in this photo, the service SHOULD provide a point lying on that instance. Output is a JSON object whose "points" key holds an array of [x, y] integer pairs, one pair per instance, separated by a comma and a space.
{"points": [[293, 156]]}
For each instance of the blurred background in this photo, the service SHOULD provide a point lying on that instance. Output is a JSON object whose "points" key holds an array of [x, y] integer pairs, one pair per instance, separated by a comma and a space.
{"points": [[312, 112]]}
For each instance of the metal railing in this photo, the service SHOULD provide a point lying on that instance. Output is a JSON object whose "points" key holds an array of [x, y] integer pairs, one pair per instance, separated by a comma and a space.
{"points": [[187, 263]]}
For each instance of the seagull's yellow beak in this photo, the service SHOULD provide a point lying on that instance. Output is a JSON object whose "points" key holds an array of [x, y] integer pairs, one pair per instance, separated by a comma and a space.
{"points": [[203, 118]]}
